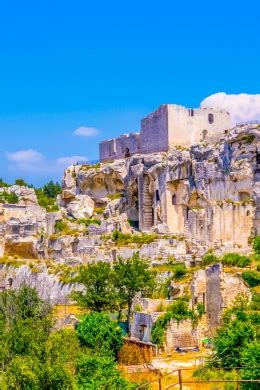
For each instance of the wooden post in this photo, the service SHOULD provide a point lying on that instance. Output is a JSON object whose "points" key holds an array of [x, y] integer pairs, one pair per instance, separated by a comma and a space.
{"points": [[180, 378], [160, 383]]}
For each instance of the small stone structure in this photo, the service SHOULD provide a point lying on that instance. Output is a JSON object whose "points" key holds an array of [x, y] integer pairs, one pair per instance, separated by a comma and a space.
{"points": [[169, 125], [213, 288], [216, 290]]}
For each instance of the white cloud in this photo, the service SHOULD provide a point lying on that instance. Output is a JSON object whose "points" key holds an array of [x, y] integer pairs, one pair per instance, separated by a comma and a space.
{"points": [[242, 107], [33, 161], [86, 131], [70, 160], [25, 156]]}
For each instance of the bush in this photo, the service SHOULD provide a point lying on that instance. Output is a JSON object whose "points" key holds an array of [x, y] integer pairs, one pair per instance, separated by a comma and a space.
{"points": [[252, 278], [99, 372], [11, 198], [250, 359], [3, 183], [256, 244], [230, 342], [21, 182], [209, 258], [125, 239], [46, 202], [179, 311], [180, 271], [99, 333], [88, 221], [235, 259]]}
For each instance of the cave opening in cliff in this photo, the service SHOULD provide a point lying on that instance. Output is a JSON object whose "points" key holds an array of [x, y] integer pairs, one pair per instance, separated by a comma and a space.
{"points": [[133, 201]]}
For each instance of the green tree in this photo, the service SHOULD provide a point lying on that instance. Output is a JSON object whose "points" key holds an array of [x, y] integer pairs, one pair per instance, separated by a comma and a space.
{"points": [[250, 357], [230, 341], [132, 276], [21, 182], [99, 372], [51, 189], [31, 356], [99, 293], [99, 333]]}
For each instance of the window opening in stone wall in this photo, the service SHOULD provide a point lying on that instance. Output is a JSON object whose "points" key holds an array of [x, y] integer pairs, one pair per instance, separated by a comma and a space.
{"points": [[192, 112], [204, 134], [127, 152], [211, 118], [174, 201], [258, 158]]}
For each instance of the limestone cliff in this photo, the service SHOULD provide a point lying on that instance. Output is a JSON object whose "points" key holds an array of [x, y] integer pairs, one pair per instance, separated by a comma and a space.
{"points": [[191, 199], [208, 193]]}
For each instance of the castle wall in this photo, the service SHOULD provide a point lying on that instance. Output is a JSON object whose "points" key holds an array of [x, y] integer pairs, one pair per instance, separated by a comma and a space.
{"points": [[119, 147], [186, 126], [154, 131], [107, 150], [169, 125]]}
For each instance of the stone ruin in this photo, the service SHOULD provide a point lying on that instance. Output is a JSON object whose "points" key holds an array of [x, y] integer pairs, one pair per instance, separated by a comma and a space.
{"points": [[168, 126], [213, 288]]}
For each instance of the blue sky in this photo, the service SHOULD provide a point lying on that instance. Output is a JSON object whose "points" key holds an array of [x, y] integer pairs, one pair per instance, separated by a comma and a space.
{"points": [[105, 64]]}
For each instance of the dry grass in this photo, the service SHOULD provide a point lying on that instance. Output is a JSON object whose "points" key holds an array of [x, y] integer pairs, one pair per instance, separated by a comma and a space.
{"points": [[62, 310]]}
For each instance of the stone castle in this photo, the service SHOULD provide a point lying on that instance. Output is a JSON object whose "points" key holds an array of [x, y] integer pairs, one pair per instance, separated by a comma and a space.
{"points": [[166, 127]]}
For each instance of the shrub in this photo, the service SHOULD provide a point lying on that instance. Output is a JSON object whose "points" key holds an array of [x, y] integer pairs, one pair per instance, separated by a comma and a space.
{"points": [[99, 333], [235, 259], [11, 198], [179, 311], [209, 258], [252, 278], [180, 271], [21, 182], [125, 239], [3, 183], [250, 359], [46, 202], [117, 195], [88, 221], [256, 244], [99, 372], [248, 138]]}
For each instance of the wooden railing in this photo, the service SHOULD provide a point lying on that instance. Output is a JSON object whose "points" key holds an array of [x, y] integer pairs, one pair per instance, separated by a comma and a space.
{"points": [[179, 380]]}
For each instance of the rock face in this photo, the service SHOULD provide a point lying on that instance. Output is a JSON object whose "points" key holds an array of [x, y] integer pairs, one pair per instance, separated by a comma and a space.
{"points": [[207, 192], [81, 207], [207, 195]]}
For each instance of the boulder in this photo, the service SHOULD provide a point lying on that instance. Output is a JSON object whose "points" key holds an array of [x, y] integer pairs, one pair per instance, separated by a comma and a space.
{"points": [[81, 207]]}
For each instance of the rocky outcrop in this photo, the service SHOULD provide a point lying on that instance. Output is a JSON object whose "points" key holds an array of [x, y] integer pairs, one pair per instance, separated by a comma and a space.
{"points": [[82, 206], [207, 192]]}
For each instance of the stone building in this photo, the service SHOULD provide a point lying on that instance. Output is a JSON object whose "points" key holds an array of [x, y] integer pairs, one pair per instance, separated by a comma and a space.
{"points": [[166, 127]]}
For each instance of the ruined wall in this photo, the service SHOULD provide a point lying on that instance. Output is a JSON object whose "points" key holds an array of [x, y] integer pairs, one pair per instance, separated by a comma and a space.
{"points": [[119, 147], [107, 150], [154, 130], [186, 126], [217, 290], [183, 334]]}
